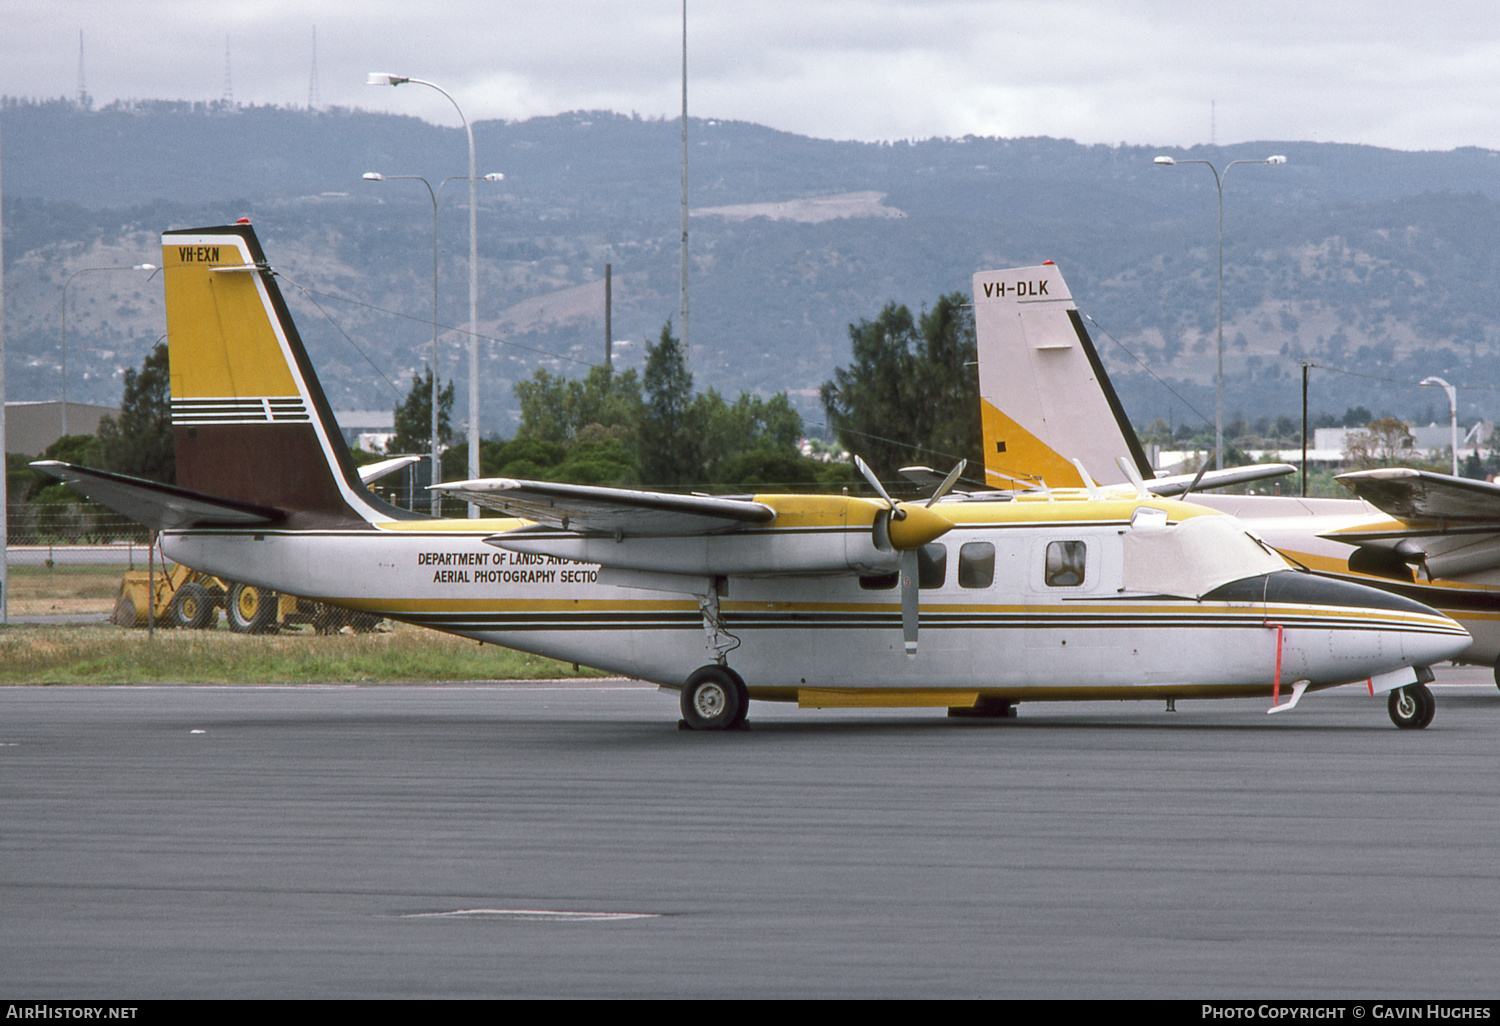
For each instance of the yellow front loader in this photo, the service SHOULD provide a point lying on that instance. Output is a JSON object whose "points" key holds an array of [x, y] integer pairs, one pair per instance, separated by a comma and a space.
{"points": [[186, 598]]}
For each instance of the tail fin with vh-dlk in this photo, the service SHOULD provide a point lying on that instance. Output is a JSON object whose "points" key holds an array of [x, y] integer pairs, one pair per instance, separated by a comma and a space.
{"points": [[1045, 399]]}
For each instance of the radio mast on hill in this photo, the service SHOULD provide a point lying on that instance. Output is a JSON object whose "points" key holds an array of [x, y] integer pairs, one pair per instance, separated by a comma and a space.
{"points": [[314, 100], [83, 93], [228, 81]]}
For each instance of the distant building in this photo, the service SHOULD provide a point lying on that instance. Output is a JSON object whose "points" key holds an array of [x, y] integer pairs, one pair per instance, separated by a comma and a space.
{"points": [[367, 429], [31, 427], [1432, 440]]}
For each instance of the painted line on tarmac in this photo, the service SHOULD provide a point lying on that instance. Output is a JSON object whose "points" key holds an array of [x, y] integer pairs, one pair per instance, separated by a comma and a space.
{"points": [[533, 915]]}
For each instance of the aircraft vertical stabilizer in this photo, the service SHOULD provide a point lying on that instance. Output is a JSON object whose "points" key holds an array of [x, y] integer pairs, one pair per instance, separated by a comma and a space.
{"points": [[1041, 382], [250, 422]]}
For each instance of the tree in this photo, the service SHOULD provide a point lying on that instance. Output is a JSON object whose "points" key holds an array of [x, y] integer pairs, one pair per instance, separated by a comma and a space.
{"points": [[911, 394], [414, 417], [558, 409], [668, 449], [1383, 443], [139, 443]]}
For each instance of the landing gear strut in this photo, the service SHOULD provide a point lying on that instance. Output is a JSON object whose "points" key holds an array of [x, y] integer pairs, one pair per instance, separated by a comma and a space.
{"points": [[714, 698], [1412, 707]]}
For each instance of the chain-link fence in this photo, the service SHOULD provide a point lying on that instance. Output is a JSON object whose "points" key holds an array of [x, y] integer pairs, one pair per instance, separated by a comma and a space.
{"points": [[70, 523]]}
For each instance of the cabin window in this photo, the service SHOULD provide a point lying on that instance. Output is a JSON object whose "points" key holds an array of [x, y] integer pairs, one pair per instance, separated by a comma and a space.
{"points": [[879, 582], [1065, 564], [976, 565], [932, 566]]}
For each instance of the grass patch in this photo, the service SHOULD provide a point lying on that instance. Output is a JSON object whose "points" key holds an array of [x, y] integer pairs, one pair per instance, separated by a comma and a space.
{"points": [[114, 655]]}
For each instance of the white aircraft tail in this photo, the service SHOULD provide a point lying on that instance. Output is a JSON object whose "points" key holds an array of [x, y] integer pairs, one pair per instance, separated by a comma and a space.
{"points": [[1045, 400], [1046, 403]]}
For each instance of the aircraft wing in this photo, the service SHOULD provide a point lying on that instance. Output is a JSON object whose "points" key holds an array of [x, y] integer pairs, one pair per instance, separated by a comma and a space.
{"points": [[594, 510], [1422, 495], [158, 506]]}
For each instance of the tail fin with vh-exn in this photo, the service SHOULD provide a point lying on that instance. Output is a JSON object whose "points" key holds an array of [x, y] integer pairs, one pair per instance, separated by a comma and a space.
{"points": [[250, 422]]}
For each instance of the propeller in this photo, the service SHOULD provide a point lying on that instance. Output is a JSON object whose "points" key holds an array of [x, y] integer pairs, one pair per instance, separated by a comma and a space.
{"points": [[908, 528]]}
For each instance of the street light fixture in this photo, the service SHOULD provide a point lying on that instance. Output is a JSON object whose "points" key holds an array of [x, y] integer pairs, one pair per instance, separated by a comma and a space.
{"points": [[87, 270], [1219, 377], [381, 78], [376, 176], [1452, 413]]}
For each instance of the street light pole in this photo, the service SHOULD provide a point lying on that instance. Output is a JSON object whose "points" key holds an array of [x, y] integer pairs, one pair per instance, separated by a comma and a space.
{"points": [[133, 267], [1452, 413], [1219, 376], [376, 176], [381, 78]]}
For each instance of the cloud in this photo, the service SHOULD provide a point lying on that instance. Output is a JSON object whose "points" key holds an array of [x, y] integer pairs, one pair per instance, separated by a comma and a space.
{"points": [[1146, 71]]}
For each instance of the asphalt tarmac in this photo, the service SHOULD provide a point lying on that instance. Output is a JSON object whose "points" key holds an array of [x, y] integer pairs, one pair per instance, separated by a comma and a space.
{"points": [[567, 840]]}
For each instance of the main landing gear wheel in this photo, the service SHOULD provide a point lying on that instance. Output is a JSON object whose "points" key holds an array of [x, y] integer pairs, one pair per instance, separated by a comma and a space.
{"points": [[714, 698], [1412, 707]]}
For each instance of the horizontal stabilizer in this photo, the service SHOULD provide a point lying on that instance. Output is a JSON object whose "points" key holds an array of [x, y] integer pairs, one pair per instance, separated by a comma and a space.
{"points": [[1179, 483], [375, 471], [158, 506], [597, 510]]}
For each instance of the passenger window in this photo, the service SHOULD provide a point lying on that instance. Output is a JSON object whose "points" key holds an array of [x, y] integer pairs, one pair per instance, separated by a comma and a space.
{"points": [[976, 565], [1065, 564], [932, 566], [879, 582]]}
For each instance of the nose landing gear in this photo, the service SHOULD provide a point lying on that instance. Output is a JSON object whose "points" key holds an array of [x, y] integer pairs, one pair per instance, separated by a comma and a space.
{"points": [[1411, 707]]}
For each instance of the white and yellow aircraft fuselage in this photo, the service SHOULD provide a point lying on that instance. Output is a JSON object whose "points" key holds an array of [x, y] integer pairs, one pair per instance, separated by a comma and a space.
{"points": [[812, 599], [1046, 401]]}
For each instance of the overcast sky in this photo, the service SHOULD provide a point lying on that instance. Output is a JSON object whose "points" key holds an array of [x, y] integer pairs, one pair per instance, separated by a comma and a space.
{"points": [[1155, 72]]}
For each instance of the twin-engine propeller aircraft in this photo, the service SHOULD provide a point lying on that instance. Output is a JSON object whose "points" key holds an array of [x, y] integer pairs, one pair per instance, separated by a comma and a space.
{"points": [[811, 599], [1428, 537]]}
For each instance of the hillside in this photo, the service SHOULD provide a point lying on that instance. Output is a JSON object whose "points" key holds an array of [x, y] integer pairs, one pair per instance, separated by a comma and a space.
{"points": [[1374, 261]]}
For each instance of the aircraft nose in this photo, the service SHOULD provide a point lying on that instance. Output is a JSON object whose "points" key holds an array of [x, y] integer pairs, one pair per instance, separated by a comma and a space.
{"points": [[1379, 630]]}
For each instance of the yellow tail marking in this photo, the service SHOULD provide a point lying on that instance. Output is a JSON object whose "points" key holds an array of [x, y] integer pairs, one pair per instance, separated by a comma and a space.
{"points": [[218, 327], [1025, 456]]}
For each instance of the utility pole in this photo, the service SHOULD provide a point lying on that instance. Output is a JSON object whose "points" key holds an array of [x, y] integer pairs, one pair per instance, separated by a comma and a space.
{"points": [[682, 328]]}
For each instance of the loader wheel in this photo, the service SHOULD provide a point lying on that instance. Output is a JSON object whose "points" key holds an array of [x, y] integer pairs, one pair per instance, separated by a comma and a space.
{"points": [[251, 610], [193, 607]]}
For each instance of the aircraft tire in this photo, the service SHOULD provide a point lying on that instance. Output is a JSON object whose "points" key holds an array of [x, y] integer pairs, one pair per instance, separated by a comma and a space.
{"points": [[193, 607], [251, 610], [744, 696], [1411, 707], [1497, 673], [713, 699]]}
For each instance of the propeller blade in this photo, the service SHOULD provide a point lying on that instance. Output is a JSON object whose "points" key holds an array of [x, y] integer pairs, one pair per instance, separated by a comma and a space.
{"points": [[909, 601], [948, 482], [864, 468]]}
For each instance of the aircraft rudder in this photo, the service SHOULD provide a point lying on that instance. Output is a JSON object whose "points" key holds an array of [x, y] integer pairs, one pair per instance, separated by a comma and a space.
{"points": [[250, 421], [1045, 399]]}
